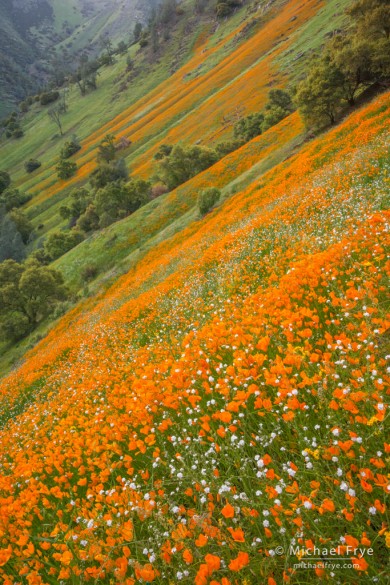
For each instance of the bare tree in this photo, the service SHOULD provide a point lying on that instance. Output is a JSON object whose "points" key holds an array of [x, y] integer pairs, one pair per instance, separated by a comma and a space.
{"points": [[55, 116]]}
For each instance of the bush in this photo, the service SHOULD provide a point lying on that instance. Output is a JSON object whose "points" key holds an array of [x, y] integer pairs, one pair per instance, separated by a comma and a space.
{"points": [[49, 97], [32, 165], [17, 133], [249, 127], [227, 7], [66, 169], [12, 198], [89, 272], [225, 148], [70, 148], [58, 243], [5, 181], [207, 199], [107, 173], [28, 293], [185, 162]]}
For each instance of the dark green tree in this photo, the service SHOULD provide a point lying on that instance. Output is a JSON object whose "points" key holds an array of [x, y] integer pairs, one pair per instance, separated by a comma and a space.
{"points": [[249, 127], [185, 162], [207, 199], [66, 169], [320, 94], [58, 243], [32, 165], [5, 181], [28, 293], [22, 223]]}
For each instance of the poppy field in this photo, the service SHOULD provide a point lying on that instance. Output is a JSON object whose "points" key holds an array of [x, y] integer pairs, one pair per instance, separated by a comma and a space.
{"points": [[218, 415]]}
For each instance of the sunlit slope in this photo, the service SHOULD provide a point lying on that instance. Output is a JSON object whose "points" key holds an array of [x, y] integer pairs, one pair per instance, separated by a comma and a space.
{"points": [[225, 397]]}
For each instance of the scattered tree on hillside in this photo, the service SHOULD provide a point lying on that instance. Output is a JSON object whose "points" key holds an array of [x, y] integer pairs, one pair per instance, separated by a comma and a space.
{"points": [[137, 31], [85, 76], [28, 293], [12, 198], [70, 147], [249, 127], [207, 199], [66, 169], [185, 162], [227, 7], [22, 223], [58, 243], [32, 165], [319, 95], [352, 60], [55, 116], [106, 149], [5, 181], [106, 45], [11, 242]]}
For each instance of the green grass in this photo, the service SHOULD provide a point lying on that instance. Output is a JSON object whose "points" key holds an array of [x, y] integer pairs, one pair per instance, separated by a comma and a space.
{"points": [[310, 37]]}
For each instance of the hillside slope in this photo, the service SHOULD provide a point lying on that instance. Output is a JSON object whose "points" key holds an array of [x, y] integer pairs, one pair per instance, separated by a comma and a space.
{"points": [[265, 318], [30, 31], [209, 407]]}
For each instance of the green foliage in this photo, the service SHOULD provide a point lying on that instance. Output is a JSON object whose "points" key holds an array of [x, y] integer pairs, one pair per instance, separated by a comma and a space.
{"points": [[12, 126], [12, 198], [273, 116], [227, 7], [117, 200], [319, 95], [107, 173], [207, 199], [185, 162], [79, 200], [279, 98], [163, 151], [249, 127], [28, 293], [351, 61], [85, 77], [224, 148], [49, 97], [66, 169], [11, 242], [89, 220], [137, 31], [32, 165], [58, 243], [5, 181], [106, 149], [70, 147], [121, 48], [22, 223]]}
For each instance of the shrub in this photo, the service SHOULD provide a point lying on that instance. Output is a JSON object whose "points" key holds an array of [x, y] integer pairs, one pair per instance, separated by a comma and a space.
{"points": [[249, 127], [207, 199], [185, 162], [224, 148], [58, 243], [12, 198], [70, 148], [32, 165], [49, 97], [66, 169], [89, 272], [5, 181]]}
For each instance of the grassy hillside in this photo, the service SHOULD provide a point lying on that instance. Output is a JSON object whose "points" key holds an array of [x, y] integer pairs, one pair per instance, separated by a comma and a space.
{"points": [[29, 33], [200, 368], [210, 407]]}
